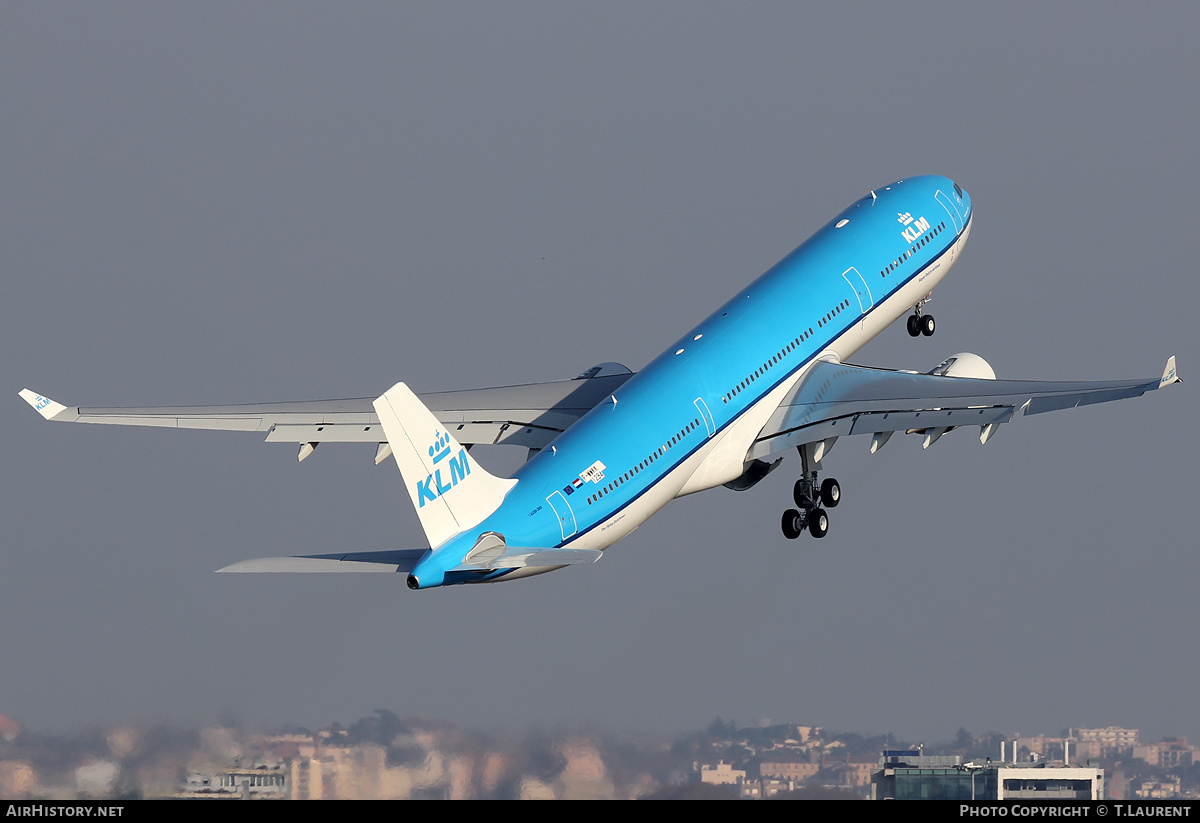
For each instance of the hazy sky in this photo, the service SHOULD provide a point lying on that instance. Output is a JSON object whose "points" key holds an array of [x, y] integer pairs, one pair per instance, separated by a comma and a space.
{"points": [[247, 202]]}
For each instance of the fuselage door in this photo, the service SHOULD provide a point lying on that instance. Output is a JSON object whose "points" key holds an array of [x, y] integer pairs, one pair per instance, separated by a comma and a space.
{"points": [[566, 517], [861, 291], [706, 416]]}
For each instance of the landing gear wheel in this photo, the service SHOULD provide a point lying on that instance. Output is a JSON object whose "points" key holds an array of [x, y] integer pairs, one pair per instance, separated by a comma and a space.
{"points": [[927, 325], [914, 326], [818, 523], [793, 524], [831, 493]]}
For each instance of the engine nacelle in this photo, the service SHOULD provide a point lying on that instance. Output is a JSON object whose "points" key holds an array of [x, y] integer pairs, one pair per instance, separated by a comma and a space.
{"points": [[964, 364]]}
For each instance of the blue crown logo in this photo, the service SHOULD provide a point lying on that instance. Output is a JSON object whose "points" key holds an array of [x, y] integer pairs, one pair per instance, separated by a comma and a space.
{"points": [[434, 485], [440, 447]]}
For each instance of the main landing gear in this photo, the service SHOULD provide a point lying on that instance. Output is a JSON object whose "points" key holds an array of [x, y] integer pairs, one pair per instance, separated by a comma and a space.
{"points": [[812, 499], [919, 324]]}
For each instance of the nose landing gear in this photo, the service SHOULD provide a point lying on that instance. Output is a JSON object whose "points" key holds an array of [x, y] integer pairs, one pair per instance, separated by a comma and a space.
{"points": [[918, 323]]}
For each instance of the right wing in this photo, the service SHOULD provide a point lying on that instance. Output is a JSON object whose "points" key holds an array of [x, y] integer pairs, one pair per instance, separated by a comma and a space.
{"points": [[529, 415], [836, 399]]}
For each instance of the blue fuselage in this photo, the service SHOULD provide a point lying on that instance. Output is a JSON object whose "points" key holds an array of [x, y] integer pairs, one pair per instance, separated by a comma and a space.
{"points": [[661, 434]]}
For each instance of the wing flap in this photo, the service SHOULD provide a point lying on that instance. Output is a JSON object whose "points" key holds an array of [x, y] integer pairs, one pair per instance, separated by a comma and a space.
{"points": [[326, 433], [873, 422]]}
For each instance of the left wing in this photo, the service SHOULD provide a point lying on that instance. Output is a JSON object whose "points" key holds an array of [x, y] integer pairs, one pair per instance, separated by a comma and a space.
{"points": [[836, 399], [529, 415]]}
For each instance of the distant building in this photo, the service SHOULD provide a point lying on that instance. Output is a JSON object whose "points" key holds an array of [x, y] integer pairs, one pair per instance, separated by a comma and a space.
{"points": [[764, 788], [1164, 789], [807, 733], [287, 746], [722, 774], [1171, 753], [909, 775], [1109, 736], [788, 769], [261, 782], [18, 779], [1043, 782], [308, 781], [1109, 742], [854, 775], [1046, 748]]}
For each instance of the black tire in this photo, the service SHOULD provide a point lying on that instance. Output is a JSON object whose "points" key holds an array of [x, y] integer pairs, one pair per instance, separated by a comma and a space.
{"points": [[818, 523], [928, 326], [914, 326], [831, 493], [792, 524]]}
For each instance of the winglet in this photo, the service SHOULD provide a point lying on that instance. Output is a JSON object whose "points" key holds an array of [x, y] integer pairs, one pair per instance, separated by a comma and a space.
{"points": [[44, 406], [1169, 375]]}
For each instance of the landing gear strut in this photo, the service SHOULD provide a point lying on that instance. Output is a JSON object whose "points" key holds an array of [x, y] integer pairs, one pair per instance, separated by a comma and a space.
{"points": [[918, 323], [810, 496]]}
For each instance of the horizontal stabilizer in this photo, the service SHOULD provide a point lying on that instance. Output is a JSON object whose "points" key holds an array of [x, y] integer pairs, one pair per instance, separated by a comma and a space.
{"points": [[399, 560]]}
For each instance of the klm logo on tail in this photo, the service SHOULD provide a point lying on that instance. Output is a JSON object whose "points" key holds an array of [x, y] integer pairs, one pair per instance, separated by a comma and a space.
{"points": [[432, 487]]}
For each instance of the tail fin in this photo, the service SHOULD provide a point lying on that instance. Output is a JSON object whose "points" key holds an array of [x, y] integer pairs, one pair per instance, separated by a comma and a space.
{"points": [[449, 490]]}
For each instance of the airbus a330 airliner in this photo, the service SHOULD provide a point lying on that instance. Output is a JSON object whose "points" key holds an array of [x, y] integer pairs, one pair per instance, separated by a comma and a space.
{"points": [[762, 375]]}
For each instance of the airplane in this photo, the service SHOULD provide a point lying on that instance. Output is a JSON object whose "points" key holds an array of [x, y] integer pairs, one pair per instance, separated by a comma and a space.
{"points": [[767, 372]]}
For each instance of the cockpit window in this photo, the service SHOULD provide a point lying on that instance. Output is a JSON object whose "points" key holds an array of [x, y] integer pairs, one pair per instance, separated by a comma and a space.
{"points": [[958, 190]]}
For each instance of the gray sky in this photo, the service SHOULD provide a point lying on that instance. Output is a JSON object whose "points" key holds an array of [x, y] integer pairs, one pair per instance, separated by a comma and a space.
{"points": [[235, 203]]}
